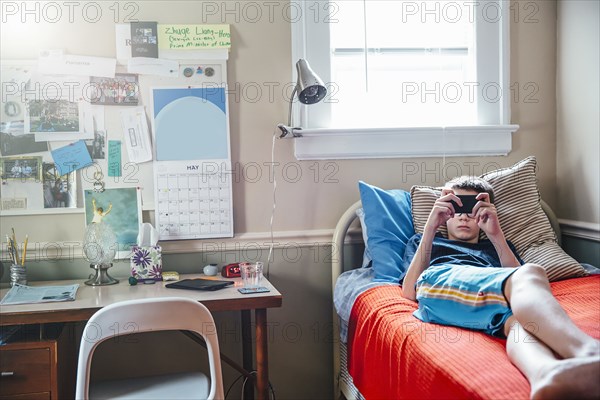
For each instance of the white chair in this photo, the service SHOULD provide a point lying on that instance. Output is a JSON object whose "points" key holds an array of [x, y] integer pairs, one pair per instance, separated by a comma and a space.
{"points": [[159, 314]]}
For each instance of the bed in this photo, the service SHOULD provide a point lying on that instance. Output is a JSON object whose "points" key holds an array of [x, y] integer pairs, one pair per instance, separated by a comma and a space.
{"points": [[387, 353]]}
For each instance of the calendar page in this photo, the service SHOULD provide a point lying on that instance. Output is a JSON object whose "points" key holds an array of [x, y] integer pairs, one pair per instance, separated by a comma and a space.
{"points": [[191, 202], [193, 190]]}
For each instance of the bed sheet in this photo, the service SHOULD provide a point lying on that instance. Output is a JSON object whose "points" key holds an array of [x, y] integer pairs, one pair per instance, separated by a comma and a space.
{"points": [[394, 355], [348, 287]]}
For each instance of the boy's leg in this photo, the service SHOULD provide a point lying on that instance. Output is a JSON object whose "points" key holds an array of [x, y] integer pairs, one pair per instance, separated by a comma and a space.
{"points": [[536, 309], [548, 376]]}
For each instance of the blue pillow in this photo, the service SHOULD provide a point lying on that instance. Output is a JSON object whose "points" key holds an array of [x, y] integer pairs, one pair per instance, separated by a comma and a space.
{"points": [[389, 224]]}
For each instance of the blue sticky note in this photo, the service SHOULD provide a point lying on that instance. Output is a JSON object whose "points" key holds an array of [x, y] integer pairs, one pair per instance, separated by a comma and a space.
{"points": [[114, 158], [72, 157]]}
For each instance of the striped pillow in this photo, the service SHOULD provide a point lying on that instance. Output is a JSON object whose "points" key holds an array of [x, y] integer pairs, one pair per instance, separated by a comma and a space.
{"points": [[520, 213]]}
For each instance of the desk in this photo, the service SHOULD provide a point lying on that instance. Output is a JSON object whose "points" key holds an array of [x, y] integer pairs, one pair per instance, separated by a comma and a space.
{"points": [[90, 299]]}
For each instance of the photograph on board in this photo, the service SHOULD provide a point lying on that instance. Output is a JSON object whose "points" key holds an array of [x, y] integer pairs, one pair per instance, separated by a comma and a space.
{"points": [[121, 210], [60, 116], [97, 146], [14, 141], [59, 191], [21, 168], [122, 90]]}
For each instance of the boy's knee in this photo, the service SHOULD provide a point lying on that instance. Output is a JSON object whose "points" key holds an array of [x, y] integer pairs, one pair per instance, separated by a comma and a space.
{"points": [[532, 271]]}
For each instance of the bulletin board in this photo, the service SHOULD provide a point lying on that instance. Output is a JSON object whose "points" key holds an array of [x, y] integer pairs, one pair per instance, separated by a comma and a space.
{"points": [[28, 192]]}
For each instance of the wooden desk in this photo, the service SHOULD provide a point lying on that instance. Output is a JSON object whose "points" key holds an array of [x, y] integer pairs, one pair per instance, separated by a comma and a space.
{"points": [[91, 299]]}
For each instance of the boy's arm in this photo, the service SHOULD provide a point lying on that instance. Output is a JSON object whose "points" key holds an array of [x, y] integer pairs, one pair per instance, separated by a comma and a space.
{"points": [[506, 255], [442, 211], [487, 219], [419, 263]]}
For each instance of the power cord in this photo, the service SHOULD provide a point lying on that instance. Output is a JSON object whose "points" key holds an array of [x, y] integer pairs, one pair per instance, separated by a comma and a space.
{"points": [[275, 134], [244, 386], [233, 383]]}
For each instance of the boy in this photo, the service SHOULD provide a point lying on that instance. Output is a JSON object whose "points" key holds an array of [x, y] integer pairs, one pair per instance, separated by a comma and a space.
{"points": [[482, 285]]}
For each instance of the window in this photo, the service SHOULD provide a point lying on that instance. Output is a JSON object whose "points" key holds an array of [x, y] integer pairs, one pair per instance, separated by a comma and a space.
{"points": [[414, 73]]}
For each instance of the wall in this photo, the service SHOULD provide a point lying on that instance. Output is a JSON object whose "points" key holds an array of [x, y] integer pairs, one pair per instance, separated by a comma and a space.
{"points": [[308, 206], [261, 56], [578, 102]]}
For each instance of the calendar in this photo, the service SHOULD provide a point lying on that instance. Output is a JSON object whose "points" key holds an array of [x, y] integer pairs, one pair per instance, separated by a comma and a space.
{"points": [[193, 188], [191, 202]]}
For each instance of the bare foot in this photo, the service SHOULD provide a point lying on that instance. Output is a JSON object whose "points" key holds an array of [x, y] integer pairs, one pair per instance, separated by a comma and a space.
{"points": [[573, 378]]}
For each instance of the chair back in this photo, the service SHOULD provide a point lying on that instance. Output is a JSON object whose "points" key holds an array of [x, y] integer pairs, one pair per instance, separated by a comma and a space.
{"points": [[149, 315]]}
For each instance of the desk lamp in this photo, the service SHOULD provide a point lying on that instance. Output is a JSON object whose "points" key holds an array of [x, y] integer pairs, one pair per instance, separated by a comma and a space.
{"points": [[310, 90]]}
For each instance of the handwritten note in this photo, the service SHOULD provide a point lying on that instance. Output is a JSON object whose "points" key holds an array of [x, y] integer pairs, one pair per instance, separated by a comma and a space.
{"points": [[72, 157], [194, 37], [114, 158]]}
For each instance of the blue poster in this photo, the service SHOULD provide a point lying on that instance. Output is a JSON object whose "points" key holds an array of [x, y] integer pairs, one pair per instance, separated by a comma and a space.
{"points": [[190, 124]]}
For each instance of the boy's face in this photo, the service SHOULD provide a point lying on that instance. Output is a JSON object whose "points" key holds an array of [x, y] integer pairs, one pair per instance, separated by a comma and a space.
{"points": [[462, 227]]}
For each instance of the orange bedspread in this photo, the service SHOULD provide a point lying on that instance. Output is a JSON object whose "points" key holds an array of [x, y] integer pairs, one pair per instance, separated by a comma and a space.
{"points": [[393, 355]]}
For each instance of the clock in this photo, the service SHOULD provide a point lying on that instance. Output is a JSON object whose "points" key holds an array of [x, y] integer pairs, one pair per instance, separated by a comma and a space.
{"points": [[231, 271]]}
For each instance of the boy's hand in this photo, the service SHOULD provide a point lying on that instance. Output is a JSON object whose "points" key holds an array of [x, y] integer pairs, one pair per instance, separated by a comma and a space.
{"points": [[442, 210], [487, 216]]}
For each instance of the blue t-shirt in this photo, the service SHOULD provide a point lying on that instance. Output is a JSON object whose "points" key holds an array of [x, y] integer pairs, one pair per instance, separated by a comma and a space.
{"points": [[453, 252]]}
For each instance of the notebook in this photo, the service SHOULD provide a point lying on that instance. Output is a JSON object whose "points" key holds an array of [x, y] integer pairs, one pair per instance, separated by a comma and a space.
{"points": [[199, 284]]}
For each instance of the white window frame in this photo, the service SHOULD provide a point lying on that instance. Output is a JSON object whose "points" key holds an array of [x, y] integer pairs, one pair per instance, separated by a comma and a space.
{"points": [[492, 137]]}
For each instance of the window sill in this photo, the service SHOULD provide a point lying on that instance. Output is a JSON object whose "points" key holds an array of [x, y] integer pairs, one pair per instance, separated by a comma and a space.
{"points": [[336, 144]]}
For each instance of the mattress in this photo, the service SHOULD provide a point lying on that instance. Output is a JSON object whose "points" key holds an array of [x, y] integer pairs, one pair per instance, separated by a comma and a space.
{"points": [[393, 355]]}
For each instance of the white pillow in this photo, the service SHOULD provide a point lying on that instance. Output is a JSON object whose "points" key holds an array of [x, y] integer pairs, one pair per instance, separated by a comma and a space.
{"points": [[367, 255]]}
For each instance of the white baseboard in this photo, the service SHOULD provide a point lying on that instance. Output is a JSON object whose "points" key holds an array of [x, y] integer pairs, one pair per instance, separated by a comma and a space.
{"points": [[580, 229]]}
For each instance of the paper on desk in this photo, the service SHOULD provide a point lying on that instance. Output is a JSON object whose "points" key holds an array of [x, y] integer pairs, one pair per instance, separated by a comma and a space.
{"points": [[153, 66], [54, 62], [22, 294], [136, 134]]}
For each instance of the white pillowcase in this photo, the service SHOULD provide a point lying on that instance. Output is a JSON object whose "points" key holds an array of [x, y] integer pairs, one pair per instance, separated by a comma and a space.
{"points": [[367, 255]]}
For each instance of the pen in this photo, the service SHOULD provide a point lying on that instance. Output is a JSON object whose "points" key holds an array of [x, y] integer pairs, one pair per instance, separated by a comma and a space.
{"points": [[24, 250], [10, 249], [14, 246]]}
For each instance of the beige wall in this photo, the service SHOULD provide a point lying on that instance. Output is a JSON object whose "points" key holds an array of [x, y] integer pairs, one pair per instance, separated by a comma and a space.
{"points": [[261, 54], [578, 105]]}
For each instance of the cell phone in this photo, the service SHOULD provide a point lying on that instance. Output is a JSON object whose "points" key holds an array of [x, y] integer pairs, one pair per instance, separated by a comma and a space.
{"points": [[468, 201], [260, 289]]}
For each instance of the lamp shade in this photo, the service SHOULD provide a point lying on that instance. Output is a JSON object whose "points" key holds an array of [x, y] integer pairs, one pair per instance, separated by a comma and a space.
{"points": [[310, 87]]}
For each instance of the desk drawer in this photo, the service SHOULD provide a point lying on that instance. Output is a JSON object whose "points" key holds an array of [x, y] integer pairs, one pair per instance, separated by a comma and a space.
{"points": [[29, 371]]}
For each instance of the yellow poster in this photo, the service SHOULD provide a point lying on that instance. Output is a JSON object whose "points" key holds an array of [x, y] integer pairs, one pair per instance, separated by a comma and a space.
{"points": [[193, 37]]}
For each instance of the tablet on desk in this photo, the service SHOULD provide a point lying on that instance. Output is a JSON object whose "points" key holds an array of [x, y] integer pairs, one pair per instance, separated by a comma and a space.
{"points": [[199, 284]]}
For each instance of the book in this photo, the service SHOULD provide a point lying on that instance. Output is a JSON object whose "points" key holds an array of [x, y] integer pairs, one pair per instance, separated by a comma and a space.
{"points": [[199, 284]]}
